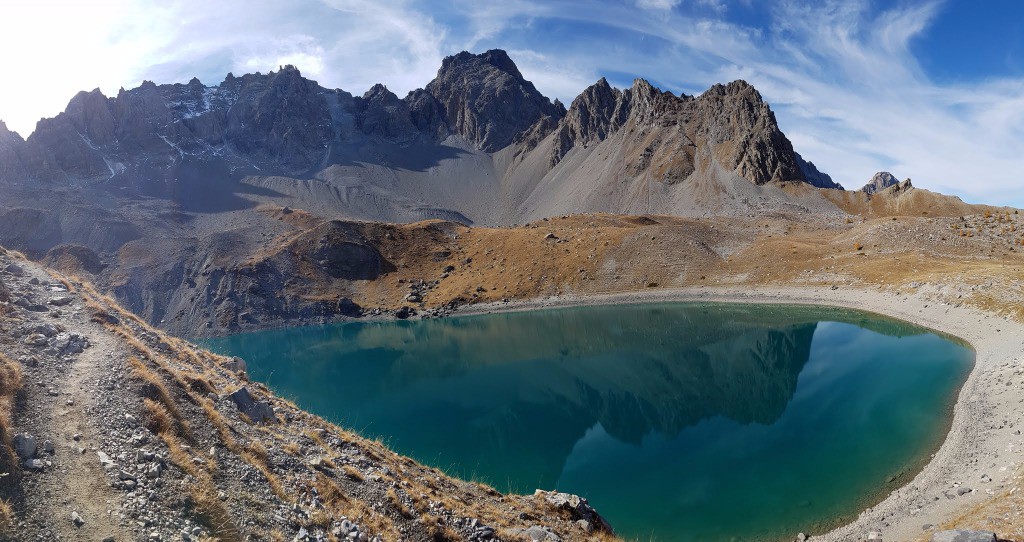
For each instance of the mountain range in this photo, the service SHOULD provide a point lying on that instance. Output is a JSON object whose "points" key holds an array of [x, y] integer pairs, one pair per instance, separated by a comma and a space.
{"points": [[207, 205], [479, 144]]}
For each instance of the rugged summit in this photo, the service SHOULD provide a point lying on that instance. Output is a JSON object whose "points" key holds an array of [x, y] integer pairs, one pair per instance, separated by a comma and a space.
{"points": [[880, 181], [732, 121], [486, 100]]}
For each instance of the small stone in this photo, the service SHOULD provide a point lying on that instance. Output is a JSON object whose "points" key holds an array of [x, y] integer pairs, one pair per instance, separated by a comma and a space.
{"points": [[105, 461], [77, 519], [48, 446]]}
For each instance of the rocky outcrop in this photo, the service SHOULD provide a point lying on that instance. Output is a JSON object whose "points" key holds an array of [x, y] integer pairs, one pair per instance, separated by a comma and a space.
{"points": [[380, 113], [485, 99], [735, 116], [880, 181], [595, 113]]}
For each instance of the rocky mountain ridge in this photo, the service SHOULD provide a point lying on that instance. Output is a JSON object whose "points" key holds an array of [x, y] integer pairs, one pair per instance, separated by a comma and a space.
{"points": [[173, 141]]}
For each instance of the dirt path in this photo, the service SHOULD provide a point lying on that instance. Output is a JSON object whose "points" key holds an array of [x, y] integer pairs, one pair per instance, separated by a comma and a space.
{"points": [[59, 392]]}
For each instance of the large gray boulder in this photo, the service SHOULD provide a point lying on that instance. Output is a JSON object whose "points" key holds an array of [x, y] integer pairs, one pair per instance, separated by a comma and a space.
{"points": [[257, 411], [964, 536]]}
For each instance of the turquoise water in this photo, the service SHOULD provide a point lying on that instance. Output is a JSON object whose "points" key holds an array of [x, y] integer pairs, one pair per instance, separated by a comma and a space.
{"points": [[679, 422]]}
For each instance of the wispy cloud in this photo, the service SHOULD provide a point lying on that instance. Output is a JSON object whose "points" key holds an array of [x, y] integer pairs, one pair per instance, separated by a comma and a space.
{"points": [[657, 4], [841, 75]]}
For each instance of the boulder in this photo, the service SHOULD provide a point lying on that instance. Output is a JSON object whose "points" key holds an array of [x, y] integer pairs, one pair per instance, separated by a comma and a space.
{"points": [[61, 301], [958, 535], [24, 445], [105, 461], [49, 330], [36, 339], [538, 533], [257, 411], [236, 365], [74, 344], [347, 307], [577, 506]]}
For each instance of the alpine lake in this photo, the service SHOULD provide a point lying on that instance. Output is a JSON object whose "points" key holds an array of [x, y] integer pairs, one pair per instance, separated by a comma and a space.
{"points": [[677, 421]]}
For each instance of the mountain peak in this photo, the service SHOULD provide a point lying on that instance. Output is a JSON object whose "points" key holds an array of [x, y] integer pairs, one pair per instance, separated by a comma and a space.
{"points": [[485, 99], [497, 58], [880, 181]]}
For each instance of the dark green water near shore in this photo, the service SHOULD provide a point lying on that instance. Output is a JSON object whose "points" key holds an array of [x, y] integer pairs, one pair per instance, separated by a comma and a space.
{"points": [[679, 422]]}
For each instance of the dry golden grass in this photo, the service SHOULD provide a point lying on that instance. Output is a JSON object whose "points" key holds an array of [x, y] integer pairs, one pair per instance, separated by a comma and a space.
{"points": [[398, 505], [153, 388], [156, 418], [211, 512], [7, 517], [11, 380], [353, 473]]}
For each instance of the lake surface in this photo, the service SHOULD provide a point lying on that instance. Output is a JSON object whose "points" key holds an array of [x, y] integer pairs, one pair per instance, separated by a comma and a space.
{"points": [[679, 422]]}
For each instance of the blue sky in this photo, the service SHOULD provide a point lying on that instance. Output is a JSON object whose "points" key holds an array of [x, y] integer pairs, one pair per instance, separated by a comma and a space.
{"points": [[927, 89]]}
